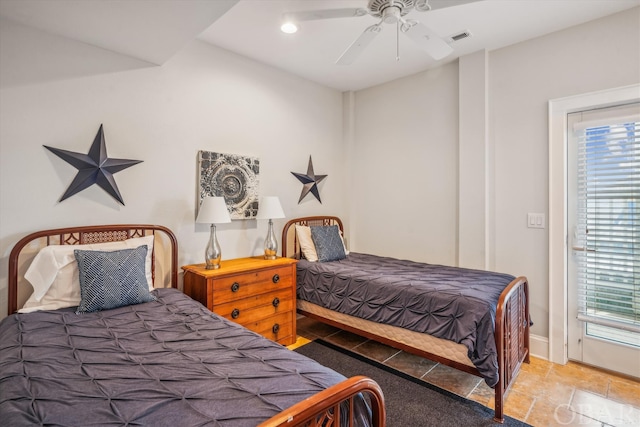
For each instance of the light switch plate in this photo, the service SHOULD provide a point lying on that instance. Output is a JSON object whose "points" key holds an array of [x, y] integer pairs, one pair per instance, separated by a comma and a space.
{"points": [[535, 220]]}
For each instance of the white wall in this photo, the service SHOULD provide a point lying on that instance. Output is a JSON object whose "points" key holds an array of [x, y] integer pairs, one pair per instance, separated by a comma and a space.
{"points": [[600, 55], [473, 150], [405, 167], [406, 139], [205, 98]]}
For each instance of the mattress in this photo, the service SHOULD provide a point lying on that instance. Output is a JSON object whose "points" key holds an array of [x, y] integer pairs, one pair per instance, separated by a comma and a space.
{"points": [[450, 303], [166, 362]]}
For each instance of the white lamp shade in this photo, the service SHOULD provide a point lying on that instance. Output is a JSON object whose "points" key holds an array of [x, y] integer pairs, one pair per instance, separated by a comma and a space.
{"points": [[213, 210], [270, 208]]}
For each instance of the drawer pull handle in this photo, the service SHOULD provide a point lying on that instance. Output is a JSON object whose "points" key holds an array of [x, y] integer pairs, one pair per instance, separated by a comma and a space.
{"points": [[276, 328], [235, 287], [276, 302], [235, 313], [276, 278]]}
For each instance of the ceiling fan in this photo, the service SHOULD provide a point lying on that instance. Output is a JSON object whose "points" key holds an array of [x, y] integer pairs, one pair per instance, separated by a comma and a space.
{"points": [[389, 12]]}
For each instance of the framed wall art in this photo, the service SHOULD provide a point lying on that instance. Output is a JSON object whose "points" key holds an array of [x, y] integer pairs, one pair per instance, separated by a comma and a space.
{"points": [[233, 177]]}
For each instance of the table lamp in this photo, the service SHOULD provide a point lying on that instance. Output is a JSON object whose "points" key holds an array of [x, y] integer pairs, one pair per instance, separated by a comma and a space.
{"points": [[270, 208], [213, 210]]}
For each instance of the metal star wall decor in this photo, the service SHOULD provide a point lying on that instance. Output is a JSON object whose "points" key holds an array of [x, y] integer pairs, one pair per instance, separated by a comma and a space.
{"points": [[310, 182], [93, 168]]}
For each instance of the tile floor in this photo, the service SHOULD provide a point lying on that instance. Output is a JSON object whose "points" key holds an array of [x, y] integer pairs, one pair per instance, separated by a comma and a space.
{"points": [[544, 394]]}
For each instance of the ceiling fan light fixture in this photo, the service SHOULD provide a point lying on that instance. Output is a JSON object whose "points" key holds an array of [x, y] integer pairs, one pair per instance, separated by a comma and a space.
{"points": [[391, 15]]}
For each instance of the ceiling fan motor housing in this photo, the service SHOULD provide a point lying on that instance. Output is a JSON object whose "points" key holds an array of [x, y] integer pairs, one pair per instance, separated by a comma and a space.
{"points": [[390, 11]]}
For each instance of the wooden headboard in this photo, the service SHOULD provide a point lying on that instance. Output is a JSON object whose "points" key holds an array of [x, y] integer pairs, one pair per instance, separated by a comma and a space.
{"points": [[290, 244], [23, 252]]}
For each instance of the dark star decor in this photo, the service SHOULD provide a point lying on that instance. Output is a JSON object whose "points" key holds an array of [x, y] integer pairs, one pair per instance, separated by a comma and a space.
{"points": [[310, 182], [93, 168]]}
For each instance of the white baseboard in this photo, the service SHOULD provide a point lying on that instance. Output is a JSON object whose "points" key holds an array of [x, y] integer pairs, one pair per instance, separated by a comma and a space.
{"points": [[539, 346]]}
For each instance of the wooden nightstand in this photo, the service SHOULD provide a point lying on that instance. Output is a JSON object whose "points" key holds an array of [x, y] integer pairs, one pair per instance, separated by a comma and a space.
{"points": [[257, 293]]}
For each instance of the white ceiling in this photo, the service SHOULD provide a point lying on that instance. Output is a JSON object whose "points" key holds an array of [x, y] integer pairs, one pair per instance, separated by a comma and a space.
{"points": [[49, 40], [152, 31], [251, 28], [148, 30]]}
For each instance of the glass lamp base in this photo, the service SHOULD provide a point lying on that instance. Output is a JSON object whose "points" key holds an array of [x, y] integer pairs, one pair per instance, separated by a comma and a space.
{"points": [[212, 253], [270, 254], [212, 266], [270, 243]]}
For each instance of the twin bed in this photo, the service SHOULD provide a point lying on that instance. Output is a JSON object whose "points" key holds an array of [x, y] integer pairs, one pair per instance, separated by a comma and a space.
{"points": [[475, 321], [170, 361]]}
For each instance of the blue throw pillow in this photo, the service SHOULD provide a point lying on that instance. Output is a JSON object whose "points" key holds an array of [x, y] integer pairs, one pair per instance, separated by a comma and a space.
{"points": [[328, 243], [112, 279]]}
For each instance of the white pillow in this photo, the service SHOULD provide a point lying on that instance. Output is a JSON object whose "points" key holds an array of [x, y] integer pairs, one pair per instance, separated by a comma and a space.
{"points": [[306, 243], [54, 273]]}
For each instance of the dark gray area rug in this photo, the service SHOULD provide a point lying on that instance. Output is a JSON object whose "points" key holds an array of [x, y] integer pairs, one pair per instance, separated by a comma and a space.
{"points": [[409, 401]]}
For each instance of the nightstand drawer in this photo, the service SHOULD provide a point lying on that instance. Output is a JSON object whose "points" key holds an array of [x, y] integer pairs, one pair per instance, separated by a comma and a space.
{"points": [[250, 309], [277, 328], [245, 285]]}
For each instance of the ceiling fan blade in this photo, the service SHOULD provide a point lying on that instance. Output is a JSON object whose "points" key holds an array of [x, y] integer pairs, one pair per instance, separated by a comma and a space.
{"points": [[359, 45], [312, 15], [428, 40], [421, 5]]}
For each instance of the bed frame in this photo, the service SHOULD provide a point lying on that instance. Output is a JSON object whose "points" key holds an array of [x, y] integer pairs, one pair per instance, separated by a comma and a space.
{"points": [[317, 410], [511, 328]]}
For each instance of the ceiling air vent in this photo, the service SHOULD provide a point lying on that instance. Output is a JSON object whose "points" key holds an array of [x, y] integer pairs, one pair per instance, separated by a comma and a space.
{"points": [[459, 36]]}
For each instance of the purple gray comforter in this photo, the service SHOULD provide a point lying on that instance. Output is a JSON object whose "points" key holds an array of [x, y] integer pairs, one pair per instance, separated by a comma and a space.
{"points": [[447, 302], [169, 362]]}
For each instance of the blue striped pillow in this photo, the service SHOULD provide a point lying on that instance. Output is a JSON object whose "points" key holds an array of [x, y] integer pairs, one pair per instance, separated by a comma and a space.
{"points": [[112, 279]]}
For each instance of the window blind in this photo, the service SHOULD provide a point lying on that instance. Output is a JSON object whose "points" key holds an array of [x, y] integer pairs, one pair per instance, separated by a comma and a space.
{"points": [[607, 243]]}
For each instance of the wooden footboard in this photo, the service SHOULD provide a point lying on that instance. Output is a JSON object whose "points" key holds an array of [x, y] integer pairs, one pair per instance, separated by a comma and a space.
{"points": [[511, 327], [512, 337], [321, 408]]}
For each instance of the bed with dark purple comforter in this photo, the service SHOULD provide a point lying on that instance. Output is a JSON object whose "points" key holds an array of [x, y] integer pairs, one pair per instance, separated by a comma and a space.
{"points": [[447, 302], [167, 362]]}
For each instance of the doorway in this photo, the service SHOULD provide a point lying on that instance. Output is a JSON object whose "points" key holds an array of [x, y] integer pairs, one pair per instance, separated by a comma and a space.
{"points": [[603, 251], [559, 233]]}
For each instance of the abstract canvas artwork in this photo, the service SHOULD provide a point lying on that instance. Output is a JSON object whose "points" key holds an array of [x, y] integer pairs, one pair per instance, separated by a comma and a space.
{"points": [[233, 177]]}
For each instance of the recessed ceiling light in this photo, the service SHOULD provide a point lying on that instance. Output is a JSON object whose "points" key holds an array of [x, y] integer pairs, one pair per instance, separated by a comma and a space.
{"points": [[289, 27]]}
